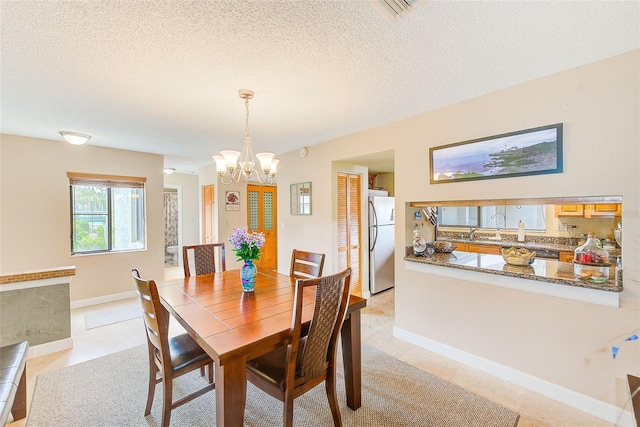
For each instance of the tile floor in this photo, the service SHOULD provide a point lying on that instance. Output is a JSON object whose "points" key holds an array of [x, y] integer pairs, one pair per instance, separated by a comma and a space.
{"points": [[377, 331]]}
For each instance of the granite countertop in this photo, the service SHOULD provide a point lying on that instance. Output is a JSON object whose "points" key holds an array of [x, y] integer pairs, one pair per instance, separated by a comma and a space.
{"points": [[508, 244], [532, 246], [544, 270]]}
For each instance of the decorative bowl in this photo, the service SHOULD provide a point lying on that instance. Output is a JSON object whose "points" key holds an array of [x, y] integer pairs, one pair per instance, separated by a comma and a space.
{"points": [[518, 256], [518, 261], [442, 246]]}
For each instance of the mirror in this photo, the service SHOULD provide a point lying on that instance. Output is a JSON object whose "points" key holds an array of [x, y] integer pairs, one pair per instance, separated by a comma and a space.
{"points": [[301, 198]]}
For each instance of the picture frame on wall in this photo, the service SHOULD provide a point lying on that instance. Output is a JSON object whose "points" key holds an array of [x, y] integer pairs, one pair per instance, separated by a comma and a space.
{"points": [[232, 201], [525, 152]]}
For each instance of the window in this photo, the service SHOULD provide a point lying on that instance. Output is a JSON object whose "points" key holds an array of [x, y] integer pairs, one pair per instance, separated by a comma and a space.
{"points": [[508, 216], [107, 213], [458, 215], [496, 216]]}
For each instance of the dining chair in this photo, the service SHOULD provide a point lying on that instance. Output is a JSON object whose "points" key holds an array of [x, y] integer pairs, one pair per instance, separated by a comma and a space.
{"points": [[305, 265], [295, 368], [171, 357], [204, 258]]}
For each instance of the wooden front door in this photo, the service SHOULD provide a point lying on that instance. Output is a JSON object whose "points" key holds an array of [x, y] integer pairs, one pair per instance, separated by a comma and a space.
{"points": [[208, 215], [261, 202], [349, 220]]}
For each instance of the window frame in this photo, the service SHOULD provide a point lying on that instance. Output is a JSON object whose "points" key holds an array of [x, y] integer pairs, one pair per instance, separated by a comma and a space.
{"points": [[109, 182]]}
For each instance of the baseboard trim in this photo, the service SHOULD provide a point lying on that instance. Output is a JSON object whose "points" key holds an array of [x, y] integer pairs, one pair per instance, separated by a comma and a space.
{"points": [[102, 300], [584, 403], [49, 347]]}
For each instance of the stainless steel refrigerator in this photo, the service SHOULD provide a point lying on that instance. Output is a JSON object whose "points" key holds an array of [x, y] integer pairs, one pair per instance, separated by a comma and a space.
{"points": [[381, 243]]}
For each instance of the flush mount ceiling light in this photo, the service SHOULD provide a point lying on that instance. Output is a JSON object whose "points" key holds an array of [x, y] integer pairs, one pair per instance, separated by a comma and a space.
{"points": [[75, 138], [234, 165], [168, 171]]}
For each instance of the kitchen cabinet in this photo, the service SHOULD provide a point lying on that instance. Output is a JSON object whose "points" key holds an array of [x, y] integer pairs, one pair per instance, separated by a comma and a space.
{"points": [[565, 256], [603, 210], [480, 249], [570, 210]]}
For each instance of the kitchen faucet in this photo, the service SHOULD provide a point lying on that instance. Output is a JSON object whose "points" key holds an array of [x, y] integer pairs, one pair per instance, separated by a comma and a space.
{"points": [[504, 216], [472, 233]]}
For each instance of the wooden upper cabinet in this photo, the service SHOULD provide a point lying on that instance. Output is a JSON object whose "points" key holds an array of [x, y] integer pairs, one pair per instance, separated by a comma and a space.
{"points": [[570, 210], [603, 210]]}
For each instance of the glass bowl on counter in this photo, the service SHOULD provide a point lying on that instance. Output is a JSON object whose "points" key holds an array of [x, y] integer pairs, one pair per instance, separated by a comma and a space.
{"points": [[591, 272], [591, 261]]}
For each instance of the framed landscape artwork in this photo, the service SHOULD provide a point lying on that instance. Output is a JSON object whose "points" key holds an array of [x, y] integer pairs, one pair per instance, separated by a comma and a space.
{"points": [[525, 152]]}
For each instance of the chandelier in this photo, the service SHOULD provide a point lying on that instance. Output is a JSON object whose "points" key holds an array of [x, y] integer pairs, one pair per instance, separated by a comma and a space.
{"points": [[232, 165]]}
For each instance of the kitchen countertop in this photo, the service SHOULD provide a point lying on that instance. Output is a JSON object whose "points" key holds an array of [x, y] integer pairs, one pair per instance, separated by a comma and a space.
{"points": [[509, 243], [532, 246], [544, 270]]}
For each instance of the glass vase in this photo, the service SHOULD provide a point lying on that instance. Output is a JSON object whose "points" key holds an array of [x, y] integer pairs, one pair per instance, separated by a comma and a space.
{"points": [[248, 273]]}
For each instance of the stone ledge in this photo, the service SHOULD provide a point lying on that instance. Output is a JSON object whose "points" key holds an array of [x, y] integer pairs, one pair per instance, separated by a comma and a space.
{"points": [[38, 275]]}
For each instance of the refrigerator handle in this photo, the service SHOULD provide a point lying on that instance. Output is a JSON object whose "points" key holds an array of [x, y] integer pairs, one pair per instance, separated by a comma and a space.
{"points": [[374, 227]]}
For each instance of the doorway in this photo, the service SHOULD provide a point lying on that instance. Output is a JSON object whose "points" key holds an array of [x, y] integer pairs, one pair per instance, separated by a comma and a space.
{"points": [[172, 225], [208, 215]]}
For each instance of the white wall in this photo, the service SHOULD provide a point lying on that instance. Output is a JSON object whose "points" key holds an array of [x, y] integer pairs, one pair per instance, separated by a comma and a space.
{"points": [[564, 344], [35, 226]]}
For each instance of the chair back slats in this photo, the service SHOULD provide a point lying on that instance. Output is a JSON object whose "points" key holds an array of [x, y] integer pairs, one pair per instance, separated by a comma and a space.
{"points": [[306, 265], [155, 320], [204, 258], [331, 298]]}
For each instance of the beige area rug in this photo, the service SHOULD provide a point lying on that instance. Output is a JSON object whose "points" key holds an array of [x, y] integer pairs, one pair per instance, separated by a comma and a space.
{"points": [[110, 316], [111, 391]]}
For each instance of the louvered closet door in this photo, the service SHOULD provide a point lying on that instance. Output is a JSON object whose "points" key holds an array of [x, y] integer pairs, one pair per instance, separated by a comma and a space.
{"points": [[349, 219], [262, 217]]}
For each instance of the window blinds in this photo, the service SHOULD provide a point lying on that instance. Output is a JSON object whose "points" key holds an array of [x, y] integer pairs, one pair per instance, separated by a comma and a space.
{"points": [[113, 181]]}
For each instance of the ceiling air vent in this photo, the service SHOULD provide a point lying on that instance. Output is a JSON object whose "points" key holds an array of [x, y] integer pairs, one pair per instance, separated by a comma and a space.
{"points": [[395, 9]]}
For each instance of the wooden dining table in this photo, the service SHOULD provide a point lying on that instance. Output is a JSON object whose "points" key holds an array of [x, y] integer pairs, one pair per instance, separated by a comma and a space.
{"points": [[233, 327]]}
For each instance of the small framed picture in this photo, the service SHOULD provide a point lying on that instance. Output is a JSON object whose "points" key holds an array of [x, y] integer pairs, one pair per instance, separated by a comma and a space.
{"points": [[232, 201]]}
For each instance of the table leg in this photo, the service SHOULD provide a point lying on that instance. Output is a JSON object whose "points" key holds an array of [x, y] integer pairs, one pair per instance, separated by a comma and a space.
{"points": [[231, 391], [352, 359]]}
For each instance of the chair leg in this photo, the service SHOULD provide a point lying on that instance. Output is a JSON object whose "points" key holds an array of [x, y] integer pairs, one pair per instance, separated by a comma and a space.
{"points": [[330, 386], [287, 415], [210, 369], [167, 391], [152, 388]]}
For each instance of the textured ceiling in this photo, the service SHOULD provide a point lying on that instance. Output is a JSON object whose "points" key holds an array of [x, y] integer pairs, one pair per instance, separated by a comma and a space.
{"points": [[163, 76]]}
